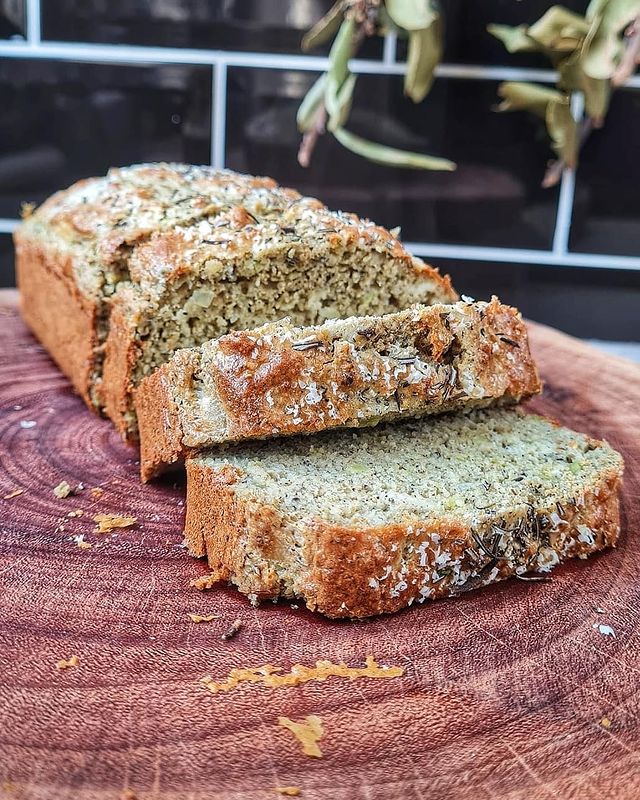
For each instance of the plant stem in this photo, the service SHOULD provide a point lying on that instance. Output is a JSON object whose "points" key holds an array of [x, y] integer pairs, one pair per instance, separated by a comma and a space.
{"points": [[556, 168], [631, 56], [310, 138]]}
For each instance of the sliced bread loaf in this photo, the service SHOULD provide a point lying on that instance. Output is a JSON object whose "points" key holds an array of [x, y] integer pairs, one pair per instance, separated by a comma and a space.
{"points": [[118, 272], [282, 380], [367, 522]]}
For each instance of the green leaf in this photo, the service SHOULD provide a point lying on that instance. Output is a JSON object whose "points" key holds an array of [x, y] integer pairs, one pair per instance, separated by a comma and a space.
{"points": [[412, 15], [341, 52], [310, 105], [515, 40], [559, 30], [550, 105], [338, 101], [324, 29], [423, 56], [390, 156]]}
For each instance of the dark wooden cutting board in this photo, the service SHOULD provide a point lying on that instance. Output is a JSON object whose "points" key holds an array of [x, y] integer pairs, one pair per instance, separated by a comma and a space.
{"points": [[509, 692]]}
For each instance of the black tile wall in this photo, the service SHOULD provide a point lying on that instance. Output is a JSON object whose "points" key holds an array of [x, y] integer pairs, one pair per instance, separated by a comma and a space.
{"points": [[274, 26], [7, 274], [493, 199], [12, 19], [607, 200], [62, 121]]}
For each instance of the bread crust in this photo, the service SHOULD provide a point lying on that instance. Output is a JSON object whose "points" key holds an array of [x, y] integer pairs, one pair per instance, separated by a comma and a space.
{"points": [[61, 317], [342, 571], [270, 382]]}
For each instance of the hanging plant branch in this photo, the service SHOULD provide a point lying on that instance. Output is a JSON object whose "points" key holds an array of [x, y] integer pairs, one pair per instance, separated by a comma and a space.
{"points": [[592, 55], [327, 105]]}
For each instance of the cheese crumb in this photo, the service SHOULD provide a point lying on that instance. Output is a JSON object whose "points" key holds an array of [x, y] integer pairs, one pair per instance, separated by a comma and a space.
{"points": [[268, 675], [62, 490], [107, 522], [15, 493], [605, 722], [288, 791], [96, 492], [66, 663], [308, 733]]}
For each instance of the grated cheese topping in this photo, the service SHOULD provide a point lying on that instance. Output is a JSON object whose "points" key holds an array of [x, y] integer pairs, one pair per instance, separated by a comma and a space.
{"points": [[308, 733]]}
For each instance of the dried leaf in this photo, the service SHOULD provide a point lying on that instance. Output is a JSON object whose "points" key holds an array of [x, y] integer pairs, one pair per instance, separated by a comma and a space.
{"points": [[390, 156], [412, 15], [603, 46], [559, 29], [341, 52], [515, 40], [552, 106], [338, 101], [310, 104], [424, 54], [324, 29]]}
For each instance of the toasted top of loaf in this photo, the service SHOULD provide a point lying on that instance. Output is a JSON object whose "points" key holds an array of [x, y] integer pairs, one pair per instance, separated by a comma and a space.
{"points": [[466, 468], [95, 222]]}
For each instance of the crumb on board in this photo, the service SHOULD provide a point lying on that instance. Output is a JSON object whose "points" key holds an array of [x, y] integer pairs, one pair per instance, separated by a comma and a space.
{"points": [[605, 722], [207, 581], [128, 794], [288, 791], [64, 489], [80, 542], [308, 733], [14, 493], [605, 630], [77, 513], [202, 617], [8, 787], [65, 663], [271, 676], [108, 522], [232, 631], [96, 492], [28, 423]]}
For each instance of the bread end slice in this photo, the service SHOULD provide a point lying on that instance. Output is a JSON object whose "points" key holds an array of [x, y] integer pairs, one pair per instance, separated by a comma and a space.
{"points": [[271, 542]]}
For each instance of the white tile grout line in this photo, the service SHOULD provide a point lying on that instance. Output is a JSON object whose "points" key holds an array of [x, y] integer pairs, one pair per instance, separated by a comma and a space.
{"points": [[564, 212], [522, 256], [389, 48], [33, 23], [219, 116]]}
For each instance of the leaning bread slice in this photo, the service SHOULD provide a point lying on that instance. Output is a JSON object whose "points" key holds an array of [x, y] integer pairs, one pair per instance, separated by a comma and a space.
{"points": [[280, 380], [367, 522]]}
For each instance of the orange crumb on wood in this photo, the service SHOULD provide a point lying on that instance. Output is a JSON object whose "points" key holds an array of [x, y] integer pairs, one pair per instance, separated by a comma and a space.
{"points": [[308, 733], [605, 722], [128, 794], [15, 493], [203, 617], [96, 492], [206, 581], [288, 791], [108, 522], [65, 663], [268, 675]]}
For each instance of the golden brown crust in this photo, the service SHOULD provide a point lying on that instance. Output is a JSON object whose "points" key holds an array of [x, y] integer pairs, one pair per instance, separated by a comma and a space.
{"points": [[59, 315], [273, 382], [359, 572]]}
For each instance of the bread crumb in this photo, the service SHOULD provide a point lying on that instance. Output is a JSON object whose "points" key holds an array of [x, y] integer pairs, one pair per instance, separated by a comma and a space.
{"points": [[268, 675], [128, 794], [77, 513], [26, 209], [64, 489], [79, 540], [605, 722], [15, 493], [66, 663], [233, 630], [203, 617], [308, 733], [206, 581], [107, 522], [96, 492], [288, 791]]}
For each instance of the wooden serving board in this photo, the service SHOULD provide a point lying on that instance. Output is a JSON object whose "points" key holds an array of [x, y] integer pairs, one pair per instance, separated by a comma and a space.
{"points": [[508, 692]]}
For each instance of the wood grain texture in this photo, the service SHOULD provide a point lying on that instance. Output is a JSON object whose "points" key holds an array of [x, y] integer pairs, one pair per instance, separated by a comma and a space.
{"points": [[504, 689]]}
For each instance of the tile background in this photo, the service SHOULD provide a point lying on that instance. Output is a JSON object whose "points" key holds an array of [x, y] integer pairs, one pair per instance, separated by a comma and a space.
{"points": [[88, 85]]}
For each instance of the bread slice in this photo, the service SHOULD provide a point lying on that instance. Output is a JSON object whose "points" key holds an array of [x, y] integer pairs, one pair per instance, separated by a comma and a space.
{"points": [[118, 272], [367, 522], [281, 380]]}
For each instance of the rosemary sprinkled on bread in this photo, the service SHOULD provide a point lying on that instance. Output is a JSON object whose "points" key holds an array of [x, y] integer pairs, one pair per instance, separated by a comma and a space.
{"points": [[366, 522]]}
